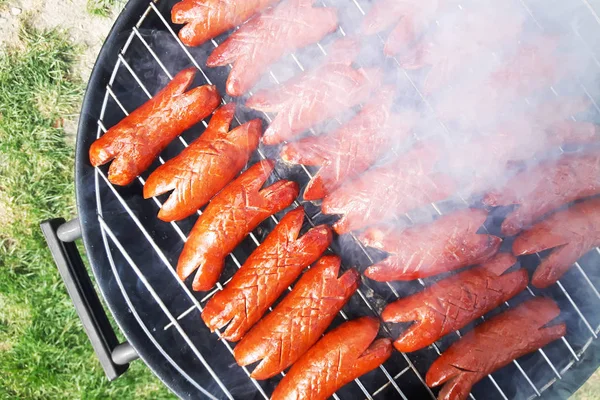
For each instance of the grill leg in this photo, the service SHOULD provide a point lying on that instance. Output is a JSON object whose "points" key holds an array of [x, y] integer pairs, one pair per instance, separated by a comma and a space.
{"points": [[113, 357]]}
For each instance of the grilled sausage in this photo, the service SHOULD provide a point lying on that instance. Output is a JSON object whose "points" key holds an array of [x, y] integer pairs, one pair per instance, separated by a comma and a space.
{"points": [[352, 148], [407, 19], [384, 192], [449, 243], [136, 141], [205, 167], [570, 233], [318, 95], [452, 303], [280, 338], [485, 160], [341, 356], [265, 275], [206, 19], [264, 39], [492, 345], [546, 187], [229, 218]]}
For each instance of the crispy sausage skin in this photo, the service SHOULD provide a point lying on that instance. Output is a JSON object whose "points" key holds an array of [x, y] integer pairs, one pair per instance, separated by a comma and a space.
{"points": [[341, 356], [318, 95], [570, 233], [448, 243], [352, 148], [265, 275], [136, 141], [545, 187], [205, 167], [206, 19], [281, 337], [492, 345], [264, 39], [452, 303], [228, 219], [384, 192]]}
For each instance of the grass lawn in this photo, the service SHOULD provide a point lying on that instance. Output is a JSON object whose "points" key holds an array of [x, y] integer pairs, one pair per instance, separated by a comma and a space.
{"points": [[44, 353]]}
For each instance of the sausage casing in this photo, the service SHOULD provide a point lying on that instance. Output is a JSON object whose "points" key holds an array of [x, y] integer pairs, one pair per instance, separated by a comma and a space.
{"points": [[393, 189], [265, 275], [452, 303], [545, 187], [352, 148], [342, 355], [318, 95], [135, 142], [570, 233], [289, 25], [205, 166], [206, 19], [280, 338], [492, 345], [230, 216], [448, 243]]}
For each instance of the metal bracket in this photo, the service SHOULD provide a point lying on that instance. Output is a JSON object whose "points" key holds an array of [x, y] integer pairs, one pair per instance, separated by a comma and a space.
{"points": [[113, 357]]}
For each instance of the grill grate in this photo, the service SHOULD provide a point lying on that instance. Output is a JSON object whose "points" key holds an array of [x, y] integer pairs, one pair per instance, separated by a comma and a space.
{"points": [[409, 369]]}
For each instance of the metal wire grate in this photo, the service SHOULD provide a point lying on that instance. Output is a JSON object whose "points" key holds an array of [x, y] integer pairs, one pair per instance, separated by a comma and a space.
{"points": [[389, 376]]}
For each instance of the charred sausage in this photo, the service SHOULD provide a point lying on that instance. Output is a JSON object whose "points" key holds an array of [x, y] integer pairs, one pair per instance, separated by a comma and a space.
{"points": [[206, 19], [279, 339], [352, 148], [265, 275], [228, 219], [341, 356], [384, 192], [492, 345], [205, 167], [545, 187], [317, 95], [265, 38], [136, 141], [452, 303], [449, 243], [570, 233]]}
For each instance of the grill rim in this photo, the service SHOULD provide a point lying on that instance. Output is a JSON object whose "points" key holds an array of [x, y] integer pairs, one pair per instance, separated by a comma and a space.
{"points": [[97, 254], [86, 206]]}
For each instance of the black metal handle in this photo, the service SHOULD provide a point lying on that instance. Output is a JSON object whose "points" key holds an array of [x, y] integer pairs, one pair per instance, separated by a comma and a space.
{"points": [[113, 357]]}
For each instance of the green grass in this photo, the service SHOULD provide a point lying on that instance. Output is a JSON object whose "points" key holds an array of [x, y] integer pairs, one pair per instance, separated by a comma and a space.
{"points": [[44, 353], [101, 8]]}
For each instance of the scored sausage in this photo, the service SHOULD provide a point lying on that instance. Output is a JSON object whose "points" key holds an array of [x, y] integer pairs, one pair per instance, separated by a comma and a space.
{"points": [[205, 166], [228, 219], [317, 95], [570, 233], [352, 148], [448, 243], [136, 141], [341, 356], [206, 19], [385, 192], [280, 338], [264, 39], [494, 344], [452, 303], [265, 275], [545, 187]]}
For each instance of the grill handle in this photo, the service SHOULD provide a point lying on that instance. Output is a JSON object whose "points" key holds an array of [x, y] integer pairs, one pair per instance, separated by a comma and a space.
{"points": [[113, 357]]}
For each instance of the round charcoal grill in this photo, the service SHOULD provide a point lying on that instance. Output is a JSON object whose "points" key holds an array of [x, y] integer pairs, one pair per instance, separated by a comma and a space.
{"points": [[133, 254]]}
